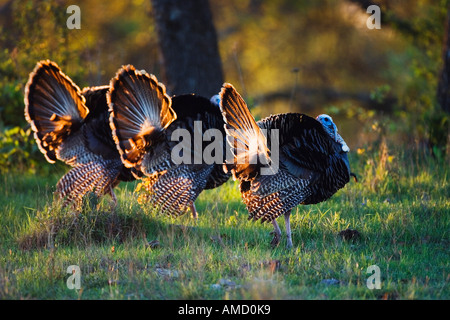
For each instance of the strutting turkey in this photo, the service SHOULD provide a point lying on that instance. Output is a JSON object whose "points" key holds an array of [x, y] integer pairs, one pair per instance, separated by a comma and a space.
{"points": [[72, 125], [145, 123], [312, 160]]}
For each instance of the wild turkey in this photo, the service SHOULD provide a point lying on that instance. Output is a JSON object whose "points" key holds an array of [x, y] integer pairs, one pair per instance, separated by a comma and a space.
{"points": [[72, 125], [309, 165], [146, 124]]}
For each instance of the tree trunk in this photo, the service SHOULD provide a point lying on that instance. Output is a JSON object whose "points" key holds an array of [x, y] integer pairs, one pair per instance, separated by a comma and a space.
{"points": [[188, 47], [443, 93]]}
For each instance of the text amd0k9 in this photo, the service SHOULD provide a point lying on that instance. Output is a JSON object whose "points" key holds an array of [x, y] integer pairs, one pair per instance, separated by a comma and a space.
{"points": [[227, 309]]}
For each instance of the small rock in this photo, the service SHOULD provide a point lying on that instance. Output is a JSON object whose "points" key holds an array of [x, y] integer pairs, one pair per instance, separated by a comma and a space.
{"points": [[227, 283], [167, 273], [215, 286], [330, 282]]}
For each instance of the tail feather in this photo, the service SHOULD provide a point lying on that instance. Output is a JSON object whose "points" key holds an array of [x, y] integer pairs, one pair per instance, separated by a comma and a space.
{"points": [[248, 143], [94, 177], [54, 106], [267, 206], [176, 202], [173, 191], [140, 110]]}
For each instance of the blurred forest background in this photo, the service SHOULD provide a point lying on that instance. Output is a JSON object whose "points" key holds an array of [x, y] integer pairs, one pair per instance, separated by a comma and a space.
{"points": [[380, 85]]}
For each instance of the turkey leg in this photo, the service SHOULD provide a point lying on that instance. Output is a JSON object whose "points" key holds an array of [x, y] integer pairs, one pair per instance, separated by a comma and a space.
{"points": [[193, 211], [276, 234]]}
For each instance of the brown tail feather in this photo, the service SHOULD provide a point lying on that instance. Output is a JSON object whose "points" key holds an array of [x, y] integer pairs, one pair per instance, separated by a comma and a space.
{"points": [[245, 138], [140, 110], [173, 191], [267, 207], [54, 106], [94, 177]]}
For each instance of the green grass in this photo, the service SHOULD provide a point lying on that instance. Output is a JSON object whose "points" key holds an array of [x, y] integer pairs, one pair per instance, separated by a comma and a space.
{"points": [[400, 207]]}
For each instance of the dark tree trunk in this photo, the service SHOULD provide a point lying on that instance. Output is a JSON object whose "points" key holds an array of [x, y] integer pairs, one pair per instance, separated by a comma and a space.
{"points": [[443, 93], [188, 46]]}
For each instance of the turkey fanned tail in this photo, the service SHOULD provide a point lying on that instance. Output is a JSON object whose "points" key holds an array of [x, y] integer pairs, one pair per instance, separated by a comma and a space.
{"points": [[140, 110], [54, 107], [247, 141]]}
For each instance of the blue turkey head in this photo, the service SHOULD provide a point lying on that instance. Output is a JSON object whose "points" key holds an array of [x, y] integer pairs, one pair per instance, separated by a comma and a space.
{"points": [[215, 99], [331, 128]]}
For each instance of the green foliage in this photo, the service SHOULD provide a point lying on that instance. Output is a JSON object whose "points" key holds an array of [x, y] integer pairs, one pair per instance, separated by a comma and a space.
{"points": [[380, 93], [24, 46], [18, 151], [438, 132], [31, 31], [11, 95]]}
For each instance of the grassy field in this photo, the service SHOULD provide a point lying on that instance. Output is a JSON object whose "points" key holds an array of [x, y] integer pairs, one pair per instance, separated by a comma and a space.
{"points": [[400, 207]]}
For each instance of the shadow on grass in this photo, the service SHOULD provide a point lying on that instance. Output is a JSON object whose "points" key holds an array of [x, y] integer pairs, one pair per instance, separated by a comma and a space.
{"points": [[54, 225], [99, 223]]}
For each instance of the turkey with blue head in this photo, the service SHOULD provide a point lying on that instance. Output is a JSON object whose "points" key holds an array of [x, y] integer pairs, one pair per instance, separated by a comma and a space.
{"points": [[149, 127], [283, 160]]}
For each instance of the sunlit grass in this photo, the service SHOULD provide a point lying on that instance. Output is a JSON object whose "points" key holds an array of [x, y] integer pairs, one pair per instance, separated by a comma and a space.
{"points": [[403, 222]]}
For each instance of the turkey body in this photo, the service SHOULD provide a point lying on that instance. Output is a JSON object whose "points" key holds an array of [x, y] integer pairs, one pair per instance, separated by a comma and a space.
{"points": [[72, 125], [303, 163], [162, 138]]}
